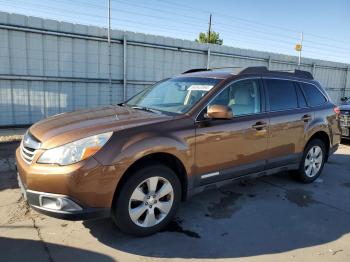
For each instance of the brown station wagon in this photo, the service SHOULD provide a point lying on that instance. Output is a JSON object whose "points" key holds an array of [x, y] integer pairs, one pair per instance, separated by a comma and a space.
{"points": [[137, 160]]}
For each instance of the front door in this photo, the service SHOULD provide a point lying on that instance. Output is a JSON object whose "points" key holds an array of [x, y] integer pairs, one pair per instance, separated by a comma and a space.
{"points": [[233, 147]]}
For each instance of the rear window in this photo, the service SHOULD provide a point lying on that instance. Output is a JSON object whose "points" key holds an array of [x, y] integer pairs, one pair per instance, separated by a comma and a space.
{"points": [[281, 94], [301, 98], [313, 95]]}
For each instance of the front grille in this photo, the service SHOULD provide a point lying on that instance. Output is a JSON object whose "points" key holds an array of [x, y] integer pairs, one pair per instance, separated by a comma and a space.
{"points": [[27, 154], [28, 148]]}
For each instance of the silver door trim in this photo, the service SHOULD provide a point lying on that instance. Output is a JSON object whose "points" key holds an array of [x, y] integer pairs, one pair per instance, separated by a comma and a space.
{"points": [[210, 175]]}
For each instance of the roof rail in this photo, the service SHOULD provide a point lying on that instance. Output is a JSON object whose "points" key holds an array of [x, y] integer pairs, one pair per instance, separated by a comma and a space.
{"points": [[253, 70], [257, 70], [195, 70], [303, 74], [263, 69]]}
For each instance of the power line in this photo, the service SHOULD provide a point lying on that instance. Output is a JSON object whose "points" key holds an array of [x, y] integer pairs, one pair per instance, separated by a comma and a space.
{"points": [[236, 33], [76, 18], [257, 31], [326, 45], [182, 17], [260, 32], [94, 16], [126, 20], [120, 10], [266, 33], [161, 10], [256, 23]]}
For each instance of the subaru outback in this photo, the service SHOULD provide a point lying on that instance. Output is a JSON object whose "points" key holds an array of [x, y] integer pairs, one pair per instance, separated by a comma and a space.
{"points": [[138, 160]]}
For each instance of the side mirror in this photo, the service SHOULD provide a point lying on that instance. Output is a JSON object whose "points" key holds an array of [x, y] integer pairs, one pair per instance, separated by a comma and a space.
{"points": [[219, 112]]}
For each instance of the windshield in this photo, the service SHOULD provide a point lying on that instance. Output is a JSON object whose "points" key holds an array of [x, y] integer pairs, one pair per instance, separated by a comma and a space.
{"points": [[177, 95]]}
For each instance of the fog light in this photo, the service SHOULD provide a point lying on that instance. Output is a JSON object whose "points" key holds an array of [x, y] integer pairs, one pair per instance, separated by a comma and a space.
{"points": [[58, 203]]}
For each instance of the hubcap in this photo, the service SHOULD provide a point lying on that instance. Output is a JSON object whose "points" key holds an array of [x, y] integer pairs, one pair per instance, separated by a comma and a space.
{"points": [[151, 201], [313, 161]]}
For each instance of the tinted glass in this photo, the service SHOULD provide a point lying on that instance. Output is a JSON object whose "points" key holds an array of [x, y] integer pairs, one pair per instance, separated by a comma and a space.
{"points": [[301, 97], [313, 95], [281, 94], [242, 97], [176, 95]]}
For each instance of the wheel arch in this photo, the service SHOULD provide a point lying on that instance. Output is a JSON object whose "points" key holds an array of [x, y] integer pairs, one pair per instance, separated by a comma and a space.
{"points": [[324, 137], [162, 158]]}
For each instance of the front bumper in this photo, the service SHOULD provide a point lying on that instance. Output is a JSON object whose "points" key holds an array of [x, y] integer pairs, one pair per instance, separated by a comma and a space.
{"points": [[78, 212], [87, 183]]}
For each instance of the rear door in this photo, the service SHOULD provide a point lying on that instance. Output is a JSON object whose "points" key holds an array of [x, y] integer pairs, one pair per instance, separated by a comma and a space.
{"points": [[289, 116]]}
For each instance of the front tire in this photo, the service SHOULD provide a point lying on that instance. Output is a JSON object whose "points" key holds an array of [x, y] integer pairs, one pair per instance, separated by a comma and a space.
{"points": [[147, 201], [312, 162]]}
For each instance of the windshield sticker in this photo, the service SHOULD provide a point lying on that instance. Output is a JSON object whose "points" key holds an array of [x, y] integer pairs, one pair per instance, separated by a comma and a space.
{"points": [[200, 88]]}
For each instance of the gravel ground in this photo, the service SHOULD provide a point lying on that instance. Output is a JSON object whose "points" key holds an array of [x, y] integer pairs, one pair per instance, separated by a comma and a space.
{"points": [[266, 219], [11, 134]]}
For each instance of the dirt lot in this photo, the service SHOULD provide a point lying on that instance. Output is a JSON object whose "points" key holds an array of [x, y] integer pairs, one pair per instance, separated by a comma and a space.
{"points": [[267, 219]]}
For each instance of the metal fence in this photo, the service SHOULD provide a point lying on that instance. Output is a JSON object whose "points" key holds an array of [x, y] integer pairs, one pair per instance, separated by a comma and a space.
{"points": [[48, 67]]}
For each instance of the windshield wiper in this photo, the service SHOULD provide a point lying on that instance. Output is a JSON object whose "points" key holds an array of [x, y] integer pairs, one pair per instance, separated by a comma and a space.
{"points": [[146, 109]]}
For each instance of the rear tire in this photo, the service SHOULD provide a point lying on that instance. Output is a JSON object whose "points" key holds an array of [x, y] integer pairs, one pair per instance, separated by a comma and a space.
{"points": [[312, 162], [147, 201]]}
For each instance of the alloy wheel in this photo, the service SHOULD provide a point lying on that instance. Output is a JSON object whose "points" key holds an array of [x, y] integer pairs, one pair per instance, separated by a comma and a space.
{"points": [[313, 161], [151, 201]]}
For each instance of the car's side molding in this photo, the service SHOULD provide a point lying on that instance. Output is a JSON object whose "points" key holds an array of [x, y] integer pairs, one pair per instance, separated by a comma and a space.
{"points": [[218, 184]]}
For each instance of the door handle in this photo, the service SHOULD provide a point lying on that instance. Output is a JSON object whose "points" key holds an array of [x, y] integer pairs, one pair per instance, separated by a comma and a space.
{"points": [[260, 125], [306, 118]]}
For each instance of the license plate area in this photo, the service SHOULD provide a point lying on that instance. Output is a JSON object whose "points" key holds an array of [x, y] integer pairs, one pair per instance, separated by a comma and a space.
{"points": [[345, 131]]}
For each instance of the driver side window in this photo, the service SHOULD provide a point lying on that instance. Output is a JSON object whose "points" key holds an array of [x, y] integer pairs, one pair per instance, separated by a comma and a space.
{"points": [[243, 97]]}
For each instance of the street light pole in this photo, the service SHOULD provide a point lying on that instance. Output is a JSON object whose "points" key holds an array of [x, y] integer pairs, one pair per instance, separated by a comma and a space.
{"points": [[109, 53], [301, 47]]}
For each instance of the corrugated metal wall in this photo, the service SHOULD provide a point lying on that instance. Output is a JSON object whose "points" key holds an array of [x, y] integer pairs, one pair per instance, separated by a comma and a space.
{"points": [[48, 67]]}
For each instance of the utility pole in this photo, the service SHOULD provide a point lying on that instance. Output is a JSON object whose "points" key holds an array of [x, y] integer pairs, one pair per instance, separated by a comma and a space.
{"points": [[209, 29], [208, 40], [109, 52], [109, 21], [301, 48]]}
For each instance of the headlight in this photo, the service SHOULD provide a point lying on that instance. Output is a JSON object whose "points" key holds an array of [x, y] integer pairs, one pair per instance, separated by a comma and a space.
{"points": [[75, 151]]}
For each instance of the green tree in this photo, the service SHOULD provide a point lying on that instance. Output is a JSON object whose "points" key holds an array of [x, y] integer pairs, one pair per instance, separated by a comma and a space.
{"points": [[214, 38]]}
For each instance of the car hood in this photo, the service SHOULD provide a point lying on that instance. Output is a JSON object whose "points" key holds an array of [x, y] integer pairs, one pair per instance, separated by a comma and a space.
{"points": [[67, 127]]}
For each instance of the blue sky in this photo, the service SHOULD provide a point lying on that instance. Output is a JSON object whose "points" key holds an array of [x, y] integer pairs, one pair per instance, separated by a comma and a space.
{"points": [[269, 25]]}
